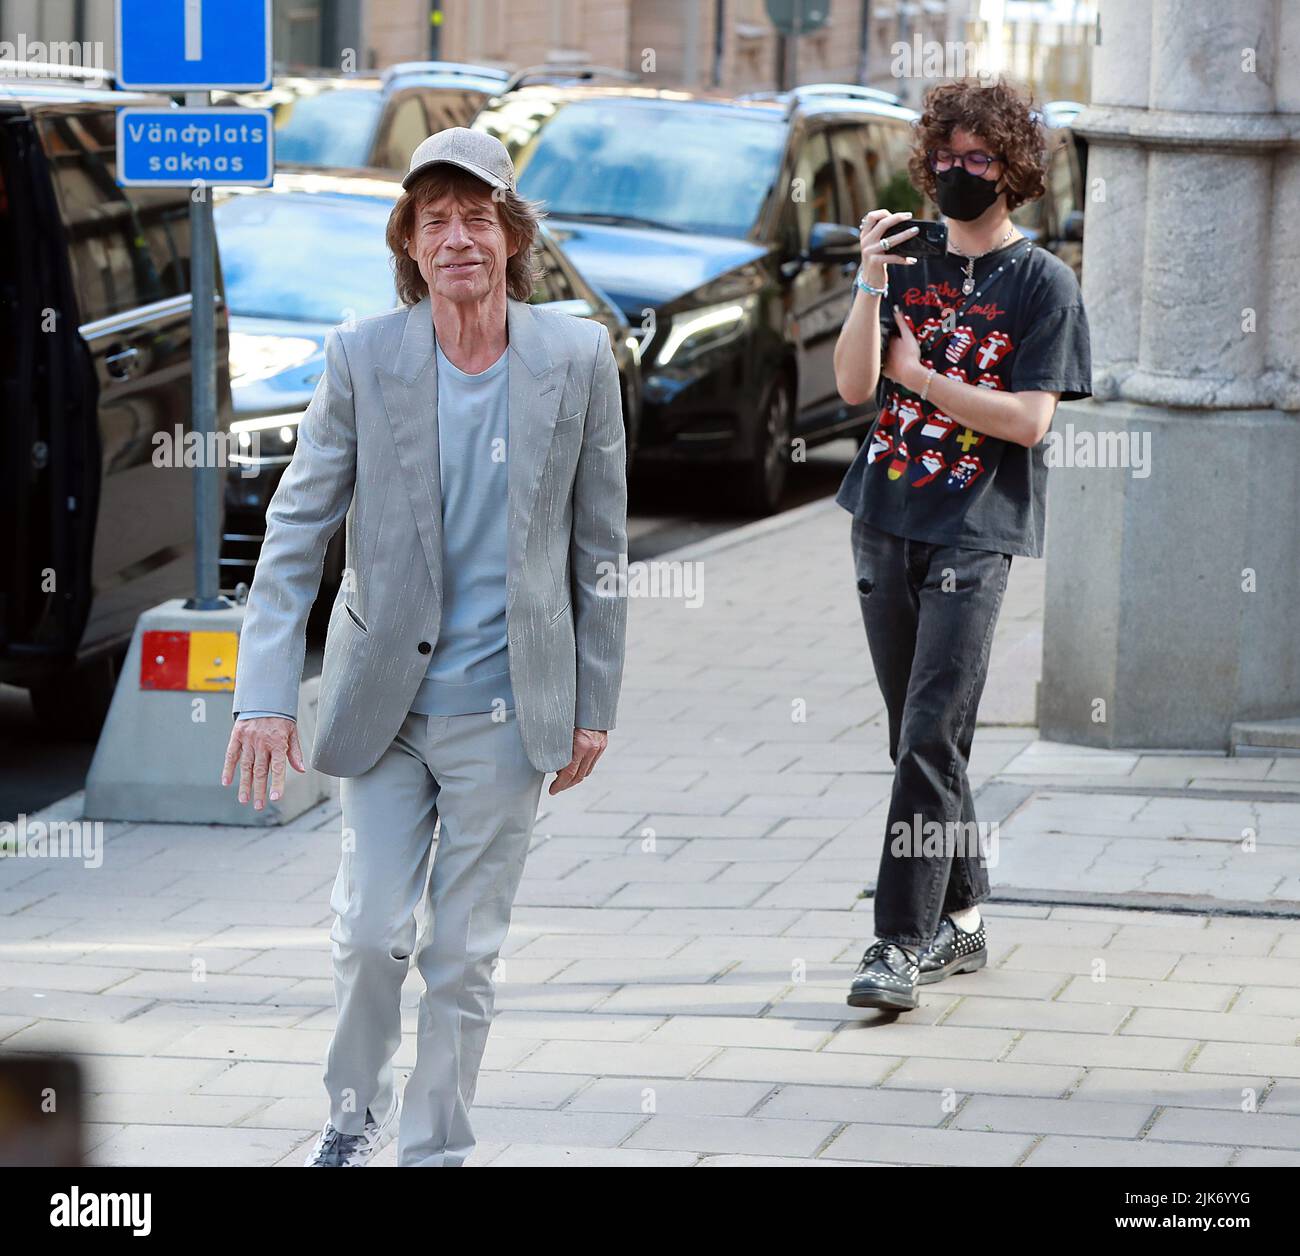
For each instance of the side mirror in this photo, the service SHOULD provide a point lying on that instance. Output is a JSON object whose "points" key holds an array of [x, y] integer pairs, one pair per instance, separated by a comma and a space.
{"points": [[1072, 227], [830, 242]]}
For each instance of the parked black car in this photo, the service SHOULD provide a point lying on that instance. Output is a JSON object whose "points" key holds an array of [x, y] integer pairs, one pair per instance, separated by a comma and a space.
{"points": [[725, 231], [283, 301], [95, 370], [376, 120]]}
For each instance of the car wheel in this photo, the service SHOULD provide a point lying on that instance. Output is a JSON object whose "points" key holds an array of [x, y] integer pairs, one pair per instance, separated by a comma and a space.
{"points": [[763, 477], [74, 704]]}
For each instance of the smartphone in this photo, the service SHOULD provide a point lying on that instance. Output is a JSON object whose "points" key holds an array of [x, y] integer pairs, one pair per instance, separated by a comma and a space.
{"points": [[930, 240]]}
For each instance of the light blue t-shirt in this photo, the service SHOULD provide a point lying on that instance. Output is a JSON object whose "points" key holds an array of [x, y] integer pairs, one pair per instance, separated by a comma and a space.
{"points": [[469, 668]]}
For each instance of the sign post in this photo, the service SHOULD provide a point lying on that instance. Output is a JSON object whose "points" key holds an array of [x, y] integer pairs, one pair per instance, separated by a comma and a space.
{"points": [[195, 47], [203, 362], [793, 18]]}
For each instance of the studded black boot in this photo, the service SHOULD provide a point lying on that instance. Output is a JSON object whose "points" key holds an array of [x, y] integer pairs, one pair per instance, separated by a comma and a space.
{"points": [[886, 978], [953, 951]]}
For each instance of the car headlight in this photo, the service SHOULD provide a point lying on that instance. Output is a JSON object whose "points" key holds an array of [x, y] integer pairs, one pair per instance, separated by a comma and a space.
{"points": [[705, 329], [270, 436]]}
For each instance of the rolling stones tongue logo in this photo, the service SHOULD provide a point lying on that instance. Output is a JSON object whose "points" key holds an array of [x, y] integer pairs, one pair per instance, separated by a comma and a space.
{"points": [[925, 467], [882, 443], [937, 426], [909, 412], [898, 463], [960, 341], [993, 348], [963, 473]]}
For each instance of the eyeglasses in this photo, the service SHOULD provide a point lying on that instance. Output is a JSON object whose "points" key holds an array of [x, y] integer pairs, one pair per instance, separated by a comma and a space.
{"points": [[973, 163]]}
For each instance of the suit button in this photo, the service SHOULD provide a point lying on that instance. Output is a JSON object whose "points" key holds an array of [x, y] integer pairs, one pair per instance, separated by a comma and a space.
{"points": [[424, 647]]}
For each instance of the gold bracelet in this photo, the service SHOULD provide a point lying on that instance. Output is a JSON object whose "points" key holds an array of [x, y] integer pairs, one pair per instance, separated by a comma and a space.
{"points": [[925, 390]]}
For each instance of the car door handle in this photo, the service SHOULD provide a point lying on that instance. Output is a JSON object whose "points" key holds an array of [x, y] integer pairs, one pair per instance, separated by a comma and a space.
{"points": [[120, 363]]}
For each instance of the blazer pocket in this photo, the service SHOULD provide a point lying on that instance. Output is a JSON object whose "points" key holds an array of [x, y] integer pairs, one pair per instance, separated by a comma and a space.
{"points": [[560, 612], [352, 615], [568, 418]]}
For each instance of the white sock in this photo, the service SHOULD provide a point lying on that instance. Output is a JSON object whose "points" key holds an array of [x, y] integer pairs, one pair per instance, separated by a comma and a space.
{"points": [[967, 920]]}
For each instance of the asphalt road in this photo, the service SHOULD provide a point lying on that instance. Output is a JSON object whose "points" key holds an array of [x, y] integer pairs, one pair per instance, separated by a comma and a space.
{"points": [[665, 513]]}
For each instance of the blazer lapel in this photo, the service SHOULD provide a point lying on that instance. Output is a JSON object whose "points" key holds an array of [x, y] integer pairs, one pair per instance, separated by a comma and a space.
{"points": [[410, 392], [534, 405]]}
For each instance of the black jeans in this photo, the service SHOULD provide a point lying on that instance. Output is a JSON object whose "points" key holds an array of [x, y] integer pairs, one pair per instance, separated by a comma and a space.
{"points": [[929, 612]]}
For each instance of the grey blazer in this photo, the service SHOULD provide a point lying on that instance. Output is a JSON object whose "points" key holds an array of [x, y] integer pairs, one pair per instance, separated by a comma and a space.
{"points": [[368, 450]]}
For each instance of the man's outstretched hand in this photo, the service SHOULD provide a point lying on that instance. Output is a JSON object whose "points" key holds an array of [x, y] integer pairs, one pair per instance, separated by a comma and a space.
{"points": [[588, 745], [259, 748]]}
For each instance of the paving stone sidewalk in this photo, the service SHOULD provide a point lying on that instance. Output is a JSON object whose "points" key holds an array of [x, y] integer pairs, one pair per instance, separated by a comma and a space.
{"points": [[672, 991]]}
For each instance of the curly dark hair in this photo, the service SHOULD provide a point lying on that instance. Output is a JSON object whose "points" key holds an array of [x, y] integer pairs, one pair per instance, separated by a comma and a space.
{"points": [[521, 219], [1002, 115]]}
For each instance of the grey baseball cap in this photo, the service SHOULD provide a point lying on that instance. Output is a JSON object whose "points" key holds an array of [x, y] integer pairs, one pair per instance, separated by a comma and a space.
{"points": [[482, 155]]}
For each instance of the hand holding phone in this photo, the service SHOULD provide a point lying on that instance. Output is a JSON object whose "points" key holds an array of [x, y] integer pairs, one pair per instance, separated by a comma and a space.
{"points": [[930, 240], [879, 236]]}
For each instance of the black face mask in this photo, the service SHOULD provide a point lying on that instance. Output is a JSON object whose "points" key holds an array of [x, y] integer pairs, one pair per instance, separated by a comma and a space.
{"points": [[962, 195]]}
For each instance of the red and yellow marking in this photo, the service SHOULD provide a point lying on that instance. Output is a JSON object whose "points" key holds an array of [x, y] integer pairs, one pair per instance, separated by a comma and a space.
{"points": [[188, 660]]}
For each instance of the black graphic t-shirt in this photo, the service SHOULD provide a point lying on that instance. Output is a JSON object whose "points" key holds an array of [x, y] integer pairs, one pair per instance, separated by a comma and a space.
{"points": [[924, 475]]}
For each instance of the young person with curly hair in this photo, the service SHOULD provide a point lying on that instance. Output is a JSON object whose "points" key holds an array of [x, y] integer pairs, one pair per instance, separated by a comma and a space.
{"points": [[980, 344]]}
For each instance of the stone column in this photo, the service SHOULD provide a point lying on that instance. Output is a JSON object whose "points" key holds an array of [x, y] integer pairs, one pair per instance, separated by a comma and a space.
{"points": [[1173, 599]]}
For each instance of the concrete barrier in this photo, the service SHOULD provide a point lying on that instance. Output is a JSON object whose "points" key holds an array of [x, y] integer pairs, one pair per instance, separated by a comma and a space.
{"points": [[160, 753]]}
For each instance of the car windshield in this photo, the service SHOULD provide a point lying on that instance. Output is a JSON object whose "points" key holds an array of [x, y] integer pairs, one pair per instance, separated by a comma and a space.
{"points": [[320, 259], [652, 163], [332, 127]]}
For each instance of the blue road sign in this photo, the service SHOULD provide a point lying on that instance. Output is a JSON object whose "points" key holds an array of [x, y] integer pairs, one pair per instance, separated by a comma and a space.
{"points": [[175, 147], [193, 45]]}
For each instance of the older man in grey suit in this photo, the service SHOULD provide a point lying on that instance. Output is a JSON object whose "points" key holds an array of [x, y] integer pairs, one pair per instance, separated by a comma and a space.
{"points": [[475, 444]]}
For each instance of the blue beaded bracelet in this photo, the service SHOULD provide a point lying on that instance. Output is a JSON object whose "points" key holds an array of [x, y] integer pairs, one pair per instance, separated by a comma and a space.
{"points": [[861, 283]]}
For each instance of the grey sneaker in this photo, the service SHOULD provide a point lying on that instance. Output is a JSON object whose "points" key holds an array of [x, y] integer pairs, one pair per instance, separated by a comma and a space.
{"points": [[336, 1150]]}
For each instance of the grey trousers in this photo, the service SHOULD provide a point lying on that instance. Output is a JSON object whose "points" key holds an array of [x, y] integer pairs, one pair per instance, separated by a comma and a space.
{"points": [[471, 772]]}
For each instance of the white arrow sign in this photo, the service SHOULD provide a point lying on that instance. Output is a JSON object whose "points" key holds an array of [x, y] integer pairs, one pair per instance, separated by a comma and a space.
{"points": [[193, 30], [162, 46]]}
